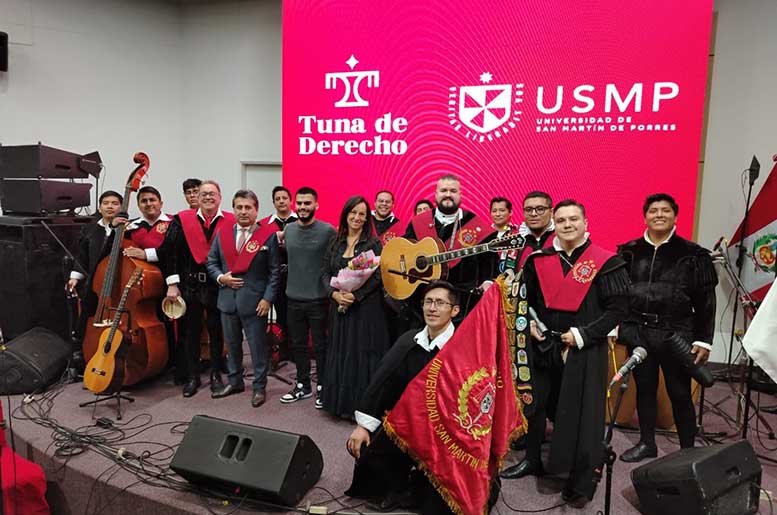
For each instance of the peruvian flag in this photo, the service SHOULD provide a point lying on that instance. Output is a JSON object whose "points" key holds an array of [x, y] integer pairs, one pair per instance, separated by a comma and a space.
{"points": [[761, 239], [456, 418]]}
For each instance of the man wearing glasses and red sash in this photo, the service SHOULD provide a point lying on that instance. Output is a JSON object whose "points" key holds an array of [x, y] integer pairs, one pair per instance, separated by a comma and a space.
{"points": [[580, 291], [183, 255]]}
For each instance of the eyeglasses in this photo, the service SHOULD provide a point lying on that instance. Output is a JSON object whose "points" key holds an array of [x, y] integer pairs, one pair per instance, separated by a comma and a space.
{"points": [[190, 193], [540, 210], [208, 194], [437, 303]]}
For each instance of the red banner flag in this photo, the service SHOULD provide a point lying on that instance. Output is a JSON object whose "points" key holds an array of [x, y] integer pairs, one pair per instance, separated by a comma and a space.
{"points": [[457, 417]]}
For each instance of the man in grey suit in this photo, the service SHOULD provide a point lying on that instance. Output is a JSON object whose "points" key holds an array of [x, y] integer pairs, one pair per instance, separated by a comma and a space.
{"points": [[245, 262]]}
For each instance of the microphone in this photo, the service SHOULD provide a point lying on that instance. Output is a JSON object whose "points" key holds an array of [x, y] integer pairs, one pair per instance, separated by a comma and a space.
{"points": [[637, 357], [719, 243], [541, 326]]}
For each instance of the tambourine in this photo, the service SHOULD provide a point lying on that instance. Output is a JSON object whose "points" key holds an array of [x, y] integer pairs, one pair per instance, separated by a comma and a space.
{"points": [[174, 309]]}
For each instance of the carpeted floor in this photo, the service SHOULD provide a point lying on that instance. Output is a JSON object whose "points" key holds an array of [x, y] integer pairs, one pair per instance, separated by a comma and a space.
{"points": [[90, 483]]}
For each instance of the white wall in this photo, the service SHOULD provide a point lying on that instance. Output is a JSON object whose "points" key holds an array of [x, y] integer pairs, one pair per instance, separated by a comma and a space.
{"points": [[232, 88], [94, 75], [742, 122]]}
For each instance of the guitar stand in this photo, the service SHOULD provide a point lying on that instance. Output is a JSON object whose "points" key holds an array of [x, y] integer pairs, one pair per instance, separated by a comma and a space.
{"points": [[106, 397]]}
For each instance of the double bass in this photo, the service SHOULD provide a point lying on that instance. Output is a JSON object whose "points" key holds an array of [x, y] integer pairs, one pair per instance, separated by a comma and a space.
{"points": [[145, 334]]}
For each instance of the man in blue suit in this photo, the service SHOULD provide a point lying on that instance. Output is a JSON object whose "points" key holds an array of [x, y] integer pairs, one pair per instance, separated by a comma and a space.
{"points": [[245, 262]]}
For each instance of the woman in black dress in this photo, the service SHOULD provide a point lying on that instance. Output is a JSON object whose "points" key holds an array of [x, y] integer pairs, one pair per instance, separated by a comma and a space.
{"points": [[359, 335]]}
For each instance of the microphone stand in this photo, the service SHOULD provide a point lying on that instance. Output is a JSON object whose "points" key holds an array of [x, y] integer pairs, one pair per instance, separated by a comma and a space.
{"points": [[754, 169], [608, 459]]}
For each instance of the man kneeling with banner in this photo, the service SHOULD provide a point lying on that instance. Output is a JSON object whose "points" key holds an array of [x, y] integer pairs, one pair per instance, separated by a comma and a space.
{"points": [[451, 412]]}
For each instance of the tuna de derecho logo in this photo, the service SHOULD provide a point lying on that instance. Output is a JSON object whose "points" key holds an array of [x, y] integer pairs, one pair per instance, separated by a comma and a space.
{"points": [[347, 133]]}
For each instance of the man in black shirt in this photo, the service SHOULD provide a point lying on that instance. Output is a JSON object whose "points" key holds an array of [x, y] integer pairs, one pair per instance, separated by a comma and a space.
{"points": [[673, 296]]}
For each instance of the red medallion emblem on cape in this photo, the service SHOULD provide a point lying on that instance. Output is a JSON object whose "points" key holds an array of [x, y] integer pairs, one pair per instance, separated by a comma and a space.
{"points": [[472, 233], [457, 416], [195, 236], [238, 262], [150, 238], [566, 293]]}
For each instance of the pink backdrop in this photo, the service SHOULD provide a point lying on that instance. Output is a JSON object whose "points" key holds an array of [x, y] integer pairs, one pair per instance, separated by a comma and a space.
{"points": [[453, 73]]}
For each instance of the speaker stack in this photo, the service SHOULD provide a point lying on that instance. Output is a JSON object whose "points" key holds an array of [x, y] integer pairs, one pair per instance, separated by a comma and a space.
{"points": [[244, 460], [39, 180]]}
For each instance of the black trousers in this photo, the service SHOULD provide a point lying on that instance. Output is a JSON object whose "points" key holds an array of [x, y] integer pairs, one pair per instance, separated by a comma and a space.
{"points": [[678, 386], [189, 329], [308, 317], [546, 385]]}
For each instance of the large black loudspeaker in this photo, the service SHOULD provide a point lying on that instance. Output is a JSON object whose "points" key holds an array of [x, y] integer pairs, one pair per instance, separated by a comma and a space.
{"points": [[3, 52], [714, 480], [32, 361], [42, 196], [263, 464], [32, 289]]}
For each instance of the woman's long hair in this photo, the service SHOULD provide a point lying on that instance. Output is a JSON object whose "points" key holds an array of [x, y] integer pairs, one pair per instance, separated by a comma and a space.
{"points": [[342, 228]]}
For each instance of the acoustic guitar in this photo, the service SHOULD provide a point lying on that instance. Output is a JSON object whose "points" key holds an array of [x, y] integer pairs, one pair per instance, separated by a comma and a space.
{"points": [[404, 265], [105, 371]]}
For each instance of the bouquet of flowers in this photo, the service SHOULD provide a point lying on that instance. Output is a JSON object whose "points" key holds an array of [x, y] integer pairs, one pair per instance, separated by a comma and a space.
{"points": [[355, 274]]}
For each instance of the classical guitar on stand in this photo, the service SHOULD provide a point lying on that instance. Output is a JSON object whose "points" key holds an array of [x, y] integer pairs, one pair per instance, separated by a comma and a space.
{"points": [[405, 264], [105, 371]]}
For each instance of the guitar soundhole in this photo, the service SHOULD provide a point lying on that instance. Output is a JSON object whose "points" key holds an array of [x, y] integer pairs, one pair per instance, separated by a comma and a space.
{"points": [[421, 262]]}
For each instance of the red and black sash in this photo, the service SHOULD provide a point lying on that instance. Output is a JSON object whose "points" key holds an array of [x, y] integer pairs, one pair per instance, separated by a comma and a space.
{"points": [[195, 235], [149, 238], [388, 234], [566, 293], [527, 251], [238, 262], [469, 235]]}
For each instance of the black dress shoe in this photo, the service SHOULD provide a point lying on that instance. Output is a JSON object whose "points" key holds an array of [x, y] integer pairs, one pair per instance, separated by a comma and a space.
{"points": [[639, 452], [190, 388], [524, 468], [570, 496], [227, 390], [258, 398], [216, 384]]}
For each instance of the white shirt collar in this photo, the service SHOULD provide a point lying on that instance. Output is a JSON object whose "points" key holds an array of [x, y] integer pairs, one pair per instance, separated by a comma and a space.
{"points": [[422, 338], [250, 229], [136, 222], [447, 219], [273, 217], [523, 230], [218, 214], [671, 233], [557, 243], [389, 217]]}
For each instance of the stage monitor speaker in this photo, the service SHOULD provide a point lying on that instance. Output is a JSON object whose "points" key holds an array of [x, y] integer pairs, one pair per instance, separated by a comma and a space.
{"points": [[32, 361], [3, 52], [264, 464], [714, 480], [33, 196]]}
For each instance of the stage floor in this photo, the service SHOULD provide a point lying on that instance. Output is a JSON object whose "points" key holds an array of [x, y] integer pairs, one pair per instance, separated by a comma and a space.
{"points": [[90, 483]]}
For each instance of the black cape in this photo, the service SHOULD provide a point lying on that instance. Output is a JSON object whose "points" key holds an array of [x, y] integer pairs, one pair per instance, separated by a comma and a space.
{"points": [[577, 446]]}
